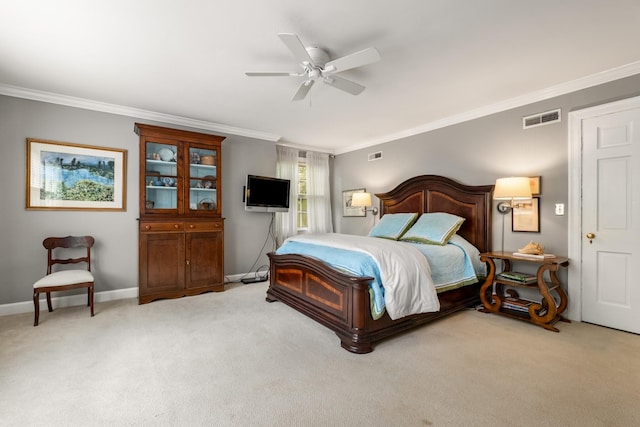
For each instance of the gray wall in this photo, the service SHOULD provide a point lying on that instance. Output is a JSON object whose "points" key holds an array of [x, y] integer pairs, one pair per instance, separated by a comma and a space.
{"points": [[22, 257], [474, 152], [477, 152]]}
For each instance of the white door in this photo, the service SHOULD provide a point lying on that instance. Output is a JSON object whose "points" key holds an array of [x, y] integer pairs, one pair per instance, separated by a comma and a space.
{"points": [[611, 220]]}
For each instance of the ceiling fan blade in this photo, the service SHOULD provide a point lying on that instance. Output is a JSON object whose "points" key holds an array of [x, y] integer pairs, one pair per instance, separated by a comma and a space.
{"points": [[344, 84], [304, 88], [296, 47], [357, 59], [259, 74]]}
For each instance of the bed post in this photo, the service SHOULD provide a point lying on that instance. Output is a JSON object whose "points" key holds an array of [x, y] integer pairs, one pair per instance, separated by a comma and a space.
{"points": [[359, 340]]}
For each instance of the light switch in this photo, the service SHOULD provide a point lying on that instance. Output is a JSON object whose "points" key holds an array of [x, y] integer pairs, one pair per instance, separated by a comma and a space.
{"points": [[559, 208]]}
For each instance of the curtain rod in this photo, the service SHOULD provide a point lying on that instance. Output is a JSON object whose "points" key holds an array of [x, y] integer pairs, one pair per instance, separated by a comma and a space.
{"points": [[307, 148]]}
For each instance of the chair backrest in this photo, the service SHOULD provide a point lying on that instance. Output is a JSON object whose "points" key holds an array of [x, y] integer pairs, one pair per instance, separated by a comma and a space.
{"points": [[51, 243]]}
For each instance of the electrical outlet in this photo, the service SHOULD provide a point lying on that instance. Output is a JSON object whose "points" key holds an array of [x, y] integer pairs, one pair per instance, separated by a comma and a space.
{"points": [[559, 208]]}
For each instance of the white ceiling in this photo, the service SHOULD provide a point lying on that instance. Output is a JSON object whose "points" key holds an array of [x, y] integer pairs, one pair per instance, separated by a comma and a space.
{"points": [[442, 60]]}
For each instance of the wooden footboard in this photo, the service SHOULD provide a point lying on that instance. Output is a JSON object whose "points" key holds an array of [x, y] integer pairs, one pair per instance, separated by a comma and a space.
{"points": [[342, 302]]}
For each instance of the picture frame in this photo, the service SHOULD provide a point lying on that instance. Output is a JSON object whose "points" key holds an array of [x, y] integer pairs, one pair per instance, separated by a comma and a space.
{"points": [[347, 209], [68, 176], [526, 217], [534, 181]]}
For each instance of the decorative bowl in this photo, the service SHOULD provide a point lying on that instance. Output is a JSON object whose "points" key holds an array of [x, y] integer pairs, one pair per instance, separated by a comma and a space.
{"points": [[205, 204], [207, 159]]}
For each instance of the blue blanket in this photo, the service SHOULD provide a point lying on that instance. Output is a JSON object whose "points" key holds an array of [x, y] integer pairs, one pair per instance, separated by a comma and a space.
{"points": [[453, 265]]}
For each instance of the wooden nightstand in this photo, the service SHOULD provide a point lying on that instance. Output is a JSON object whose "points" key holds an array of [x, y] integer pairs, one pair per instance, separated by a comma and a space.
{"points": [[498, 296]]}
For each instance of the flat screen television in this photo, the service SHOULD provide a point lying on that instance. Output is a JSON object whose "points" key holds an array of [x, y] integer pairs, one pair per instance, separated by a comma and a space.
{"points": [[264, 194]]}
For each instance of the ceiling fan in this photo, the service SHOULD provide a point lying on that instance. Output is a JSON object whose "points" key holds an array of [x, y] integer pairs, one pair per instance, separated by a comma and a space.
{"points": [[316, 65]]}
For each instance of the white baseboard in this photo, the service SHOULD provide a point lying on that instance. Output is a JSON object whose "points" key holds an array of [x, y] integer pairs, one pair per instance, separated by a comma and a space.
{"points": [[68, 301], [81, 299]]}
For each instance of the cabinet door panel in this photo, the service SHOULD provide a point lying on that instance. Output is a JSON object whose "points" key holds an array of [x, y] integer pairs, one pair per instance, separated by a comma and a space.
{"points": [[160, 176], [162, 262], [204, 259], [203, 181]]}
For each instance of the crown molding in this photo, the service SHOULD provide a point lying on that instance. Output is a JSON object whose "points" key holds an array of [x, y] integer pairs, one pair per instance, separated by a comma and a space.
{"points": [[519, 101], [87, 104]]}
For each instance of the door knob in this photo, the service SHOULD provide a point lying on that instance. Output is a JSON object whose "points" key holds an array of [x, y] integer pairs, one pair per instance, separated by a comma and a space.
{"points": [[591, 236]]}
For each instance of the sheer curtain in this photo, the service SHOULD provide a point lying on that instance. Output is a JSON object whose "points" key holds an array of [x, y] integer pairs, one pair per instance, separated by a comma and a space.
{"points": [[287, 168], [318, 193]]}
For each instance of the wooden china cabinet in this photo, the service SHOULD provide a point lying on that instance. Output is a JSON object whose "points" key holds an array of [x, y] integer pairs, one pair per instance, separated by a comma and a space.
{"points": [[181, 229]]}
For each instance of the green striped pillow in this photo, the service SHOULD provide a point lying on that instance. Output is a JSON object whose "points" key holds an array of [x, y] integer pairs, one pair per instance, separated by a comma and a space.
{"points": [[393, 226], [435, 228]]}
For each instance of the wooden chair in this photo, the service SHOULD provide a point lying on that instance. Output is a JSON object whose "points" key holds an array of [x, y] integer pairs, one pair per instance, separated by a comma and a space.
{"points": [[64, 280]]}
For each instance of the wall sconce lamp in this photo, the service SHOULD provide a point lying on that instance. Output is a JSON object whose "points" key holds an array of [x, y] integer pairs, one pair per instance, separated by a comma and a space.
{"points": [[363, 200], [513, 189]]}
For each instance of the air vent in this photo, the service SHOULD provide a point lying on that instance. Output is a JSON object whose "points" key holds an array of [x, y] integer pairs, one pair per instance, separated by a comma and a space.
{"points": [[540, 119], [375, 156]]}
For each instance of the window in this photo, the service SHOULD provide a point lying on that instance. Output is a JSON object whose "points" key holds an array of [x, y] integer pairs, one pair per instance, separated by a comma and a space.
{"points": [[303, 223], [311, 209]]}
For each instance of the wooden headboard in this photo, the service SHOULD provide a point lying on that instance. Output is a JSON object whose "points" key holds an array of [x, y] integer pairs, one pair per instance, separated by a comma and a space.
{"points": [[434, 193]]}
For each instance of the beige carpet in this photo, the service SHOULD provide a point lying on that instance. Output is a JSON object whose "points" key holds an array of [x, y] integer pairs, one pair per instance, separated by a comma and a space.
{"points": [[232, 359]]}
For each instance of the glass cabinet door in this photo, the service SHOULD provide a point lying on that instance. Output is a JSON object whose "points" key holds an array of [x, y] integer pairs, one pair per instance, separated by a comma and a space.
{"points": [[161, 176], [203, 179]]}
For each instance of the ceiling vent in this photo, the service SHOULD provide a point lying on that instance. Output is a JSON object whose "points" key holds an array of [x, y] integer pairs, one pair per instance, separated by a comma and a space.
{"points": [[540, 119], [375, 156]]}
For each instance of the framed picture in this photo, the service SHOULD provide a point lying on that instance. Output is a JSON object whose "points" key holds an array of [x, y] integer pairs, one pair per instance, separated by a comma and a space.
{"points": [[65, 176], [347, 209], [534, 181], [526, 217]]}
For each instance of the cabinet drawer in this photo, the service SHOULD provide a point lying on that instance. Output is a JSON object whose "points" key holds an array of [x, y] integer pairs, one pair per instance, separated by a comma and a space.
{"points": [[146, 226], [203, 226]]}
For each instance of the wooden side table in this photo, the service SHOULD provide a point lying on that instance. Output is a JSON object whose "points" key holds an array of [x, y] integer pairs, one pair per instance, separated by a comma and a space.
{"points": [[496, 291]]}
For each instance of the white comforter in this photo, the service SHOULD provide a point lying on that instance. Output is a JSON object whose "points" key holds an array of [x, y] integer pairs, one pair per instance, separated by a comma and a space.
{"points": [[405, 272]]}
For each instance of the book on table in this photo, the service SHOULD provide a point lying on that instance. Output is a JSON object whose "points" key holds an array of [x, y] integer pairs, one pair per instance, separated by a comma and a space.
{"points": [[517, 304], [515, 276], [534, 256]]}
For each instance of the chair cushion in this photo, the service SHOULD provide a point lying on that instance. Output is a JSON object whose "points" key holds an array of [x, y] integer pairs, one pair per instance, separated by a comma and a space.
{"points": [[64, 277]]}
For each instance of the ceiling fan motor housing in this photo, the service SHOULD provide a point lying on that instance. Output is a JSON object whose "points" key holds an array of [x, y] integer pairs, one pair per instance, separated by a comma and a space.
{"points": [[319, 56]]}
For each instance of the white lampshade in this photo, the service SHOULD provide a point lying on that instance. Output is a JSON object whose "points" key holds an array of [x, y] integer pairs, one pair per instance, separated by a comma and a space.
{"points": [[512, 188], [361, 200]]}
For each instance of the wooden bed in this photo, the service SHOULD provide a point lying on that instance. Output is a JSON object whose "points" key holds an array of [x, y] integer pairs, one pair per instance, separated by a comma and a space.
{"points": [[341, 302]]}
